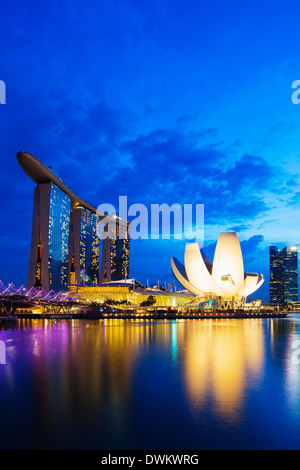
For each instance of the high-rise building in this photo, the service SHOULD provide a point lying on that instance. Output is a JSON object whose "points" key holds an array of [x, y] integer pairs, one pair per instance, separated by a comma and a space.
{"points": [[290, 280], [276, 276], [115, 252], [64, 242], [83, 247], [283, 275], [48, 266]]}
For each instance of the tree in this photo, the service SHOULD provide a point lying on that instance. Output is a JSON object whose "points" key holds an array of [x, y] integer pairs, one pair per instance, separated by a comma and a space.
{"points": [[151, 300], [116, 302], [95, 304]]}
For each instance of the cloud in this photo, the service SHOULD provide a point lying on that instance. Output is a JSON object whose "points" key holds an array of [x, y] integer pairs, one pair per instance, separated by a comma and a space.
{"points": [[251, 247], [171, 166], [239, 228], [295, 199]]}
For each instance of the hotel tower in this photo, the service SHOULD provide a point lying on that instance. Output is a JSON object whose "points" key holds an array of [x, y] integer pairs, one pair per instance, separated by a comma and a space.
{"points": [[64, 241]]}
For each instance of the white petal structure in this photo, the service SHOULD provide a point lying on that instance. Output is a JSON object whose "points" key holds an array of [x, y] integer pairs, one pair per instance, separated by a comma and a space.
{"points": [[224, 278]]}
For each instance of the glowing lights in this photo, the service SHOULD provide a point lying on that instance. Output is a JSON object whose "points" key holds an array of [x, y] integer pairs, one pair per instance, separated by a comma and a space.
{"points": [[224, 277]]}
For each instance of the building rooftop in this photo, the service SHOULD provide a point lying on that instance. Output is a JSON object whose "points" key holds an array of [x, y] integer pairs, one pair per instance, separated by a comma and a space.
{"points": [[41, 173]]}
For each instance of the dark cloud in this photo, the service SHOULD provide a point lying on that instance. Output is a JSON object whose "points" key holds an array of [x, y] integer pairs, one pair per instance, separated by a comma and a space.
{"points": [[239, 228], [251, 247], [171, 166]]}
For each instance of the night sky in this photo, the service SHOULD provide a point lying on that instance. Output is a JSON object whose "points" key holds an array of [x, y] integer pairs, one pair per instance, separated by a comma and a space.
{"points": [[165, 102]]}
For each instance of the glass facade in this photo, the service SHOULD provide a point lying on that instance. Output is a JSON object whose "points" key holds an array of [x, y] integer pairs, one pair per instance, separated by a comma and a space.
{"points": [[283, 275], [276, 276], [290, 280], [115, 252], [120, 254], [89, 248], [65, 244], [58, 238]]}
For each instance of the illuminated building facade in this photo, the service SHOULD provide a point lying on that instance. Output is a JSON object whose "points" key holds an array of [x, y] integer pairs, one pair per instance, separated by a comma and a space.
{"points": [[133, 294], [276, 276], [48, 266], [290, 280], [283, 275], [83, 247], [65, 242], [224, 279], [115, 252]]}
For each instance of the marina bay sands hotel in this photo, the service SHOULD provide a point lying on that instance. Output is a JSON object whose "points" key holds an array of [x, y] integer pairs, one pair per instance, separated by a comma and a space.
{"points": [[64, 241]]}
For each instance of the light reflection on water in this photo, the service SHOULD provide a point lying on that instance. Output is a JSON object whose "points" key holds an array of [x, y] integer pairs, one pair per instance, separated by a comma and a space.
{"points": [[219, 361], [132, 384]]}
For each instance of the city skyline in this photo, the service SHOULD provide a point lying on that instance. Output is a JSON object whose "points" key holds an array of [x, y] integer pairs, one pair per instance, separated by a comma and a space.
{"points": [[69, 254], [157, 103], [76, 220]]}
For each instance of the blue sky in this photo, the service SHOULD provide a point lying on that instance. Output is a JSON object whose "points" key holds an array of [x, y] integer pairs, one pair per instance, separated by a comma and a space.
{"points": [[165, 102]]}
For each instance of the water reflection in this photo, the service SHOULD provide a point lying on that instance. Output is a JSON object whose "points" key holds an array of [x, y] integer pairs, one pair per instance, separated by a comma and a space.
{"points": [[82, 359], [89, 384], [219, 357]]}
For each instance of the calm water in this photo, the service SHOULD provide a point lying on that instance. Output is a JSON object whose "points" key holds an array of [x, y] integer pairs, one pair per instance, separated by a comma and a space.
{"points": [[130, 384]]}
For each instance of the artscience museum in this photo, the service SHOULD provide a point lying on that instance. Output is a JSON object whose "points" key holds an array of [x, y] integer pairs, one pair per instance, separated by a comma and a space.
{"points": [[222, 280]]}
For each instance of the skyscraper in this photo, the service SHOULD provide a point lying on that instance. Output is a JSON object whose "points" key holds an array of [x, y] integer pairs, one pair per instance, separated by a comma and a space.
{"points": [[283, 275], [290, 280], [83, 247], [48, 265], [64, 241], [115, 252], [276, 276]]}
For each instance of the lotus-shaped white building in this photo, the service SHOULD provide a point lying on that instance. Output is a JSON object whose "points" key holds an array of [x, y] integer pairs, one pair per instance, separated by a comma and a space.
{"points": [[224, 278]]}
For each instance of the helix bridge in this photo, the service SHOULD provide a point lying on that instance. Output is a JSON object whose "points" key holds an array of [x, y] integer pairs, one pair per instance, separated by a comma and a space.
{"points": [[13, 298]]}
